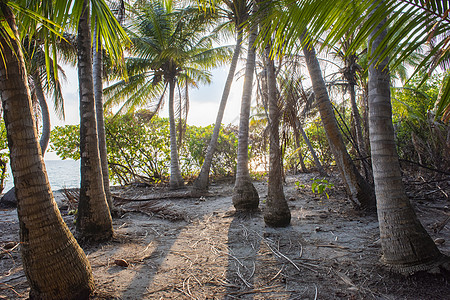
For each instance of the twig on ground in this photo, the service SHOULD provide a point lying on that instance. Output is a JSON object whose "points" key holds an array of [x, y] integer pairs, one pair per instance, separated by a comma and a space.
{"points": [[333, 246], [281, 255], [8, 251], [242, 278], [276, 275]]}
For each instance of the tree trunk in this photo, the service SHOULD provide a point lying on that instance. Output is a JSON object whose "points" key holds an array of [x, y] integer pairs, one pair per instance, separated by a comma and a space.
{"points": [[311, 150], [202, 181], [298, 144], [98, 95], [360, 144], [94, 219], [277, 213], [360, 192], [245, 196], [55, 266], [45, 136], [406, 246], [176, 180]]}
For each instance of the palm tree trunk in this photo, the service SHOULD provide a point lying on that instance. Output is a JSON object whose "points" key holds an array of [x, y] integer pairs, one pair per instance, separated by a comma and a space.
{"points": [[245, 196], [202, 181], [360, 192], [176, 180], [98, 94], [406, 245], [311, 150], [94, 219], [298, 144], [45, 136], [277, 213], [55, 265], [360, 144]]}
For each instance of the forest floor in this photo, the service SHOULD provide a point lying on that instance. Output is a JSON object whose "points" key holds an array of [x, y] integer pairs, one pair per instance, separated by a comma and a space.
{"points": [[178, 247]]}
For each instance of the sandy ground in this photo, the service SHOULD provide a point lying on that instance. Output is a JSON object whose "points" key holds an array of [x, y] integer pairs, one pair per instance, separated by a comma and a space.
{"points": [[198, 248]]}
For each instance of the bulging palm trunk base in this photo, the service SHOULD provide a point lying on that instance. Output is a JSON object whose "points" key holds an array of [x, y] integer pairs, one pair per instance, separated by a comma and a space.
{"points": [[277, 213], [245, 196]]}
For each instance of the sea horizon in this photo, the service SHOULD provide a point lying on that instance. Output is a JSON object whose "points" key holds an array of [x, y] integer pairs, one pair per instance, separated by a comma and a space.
{"points": [[61, 174]]}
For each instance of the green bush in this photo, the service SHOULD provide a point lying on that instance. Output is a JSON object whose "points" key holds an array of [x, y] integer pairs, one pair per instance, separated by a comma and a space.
{"points": [[139, 148]]}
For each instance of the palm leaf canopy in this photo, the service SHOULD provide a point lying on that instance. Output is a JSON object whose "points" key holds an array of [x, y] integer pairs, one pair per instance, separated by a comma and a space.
{"points": [[413, 25], [169, 43]]}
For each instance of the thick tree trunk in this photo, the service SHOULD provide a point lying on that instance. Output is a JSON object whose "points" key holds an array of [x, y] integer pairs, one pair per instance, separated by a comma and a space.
{"points": [[55, 266], [360, 192], [94, 219], [176, 180], [406, 245], [202, 181], [45, 135], [276, 213], [98, 95], [245, 196]]}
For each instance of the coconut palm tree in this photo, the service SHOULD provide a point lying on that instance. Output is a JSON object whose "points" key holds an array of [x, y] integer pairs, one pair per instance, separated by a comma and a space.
{"points": [[44, 236], [406, 246], [276, 213], [98, 95], [358, 189], [237, 11], [245, 196], [170, 49], [94, 219]]}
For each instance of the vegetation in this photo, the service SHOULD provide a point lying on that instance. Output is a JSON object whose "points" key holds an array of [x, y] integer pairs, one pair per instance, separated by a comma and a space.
{"points": [[138, 150], [299, 118]]}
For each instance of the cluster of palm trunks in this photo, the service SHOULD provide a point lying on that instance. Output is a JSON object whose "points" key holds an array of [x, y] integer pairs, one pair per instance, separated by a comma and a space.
{"points": [[43, 233]]}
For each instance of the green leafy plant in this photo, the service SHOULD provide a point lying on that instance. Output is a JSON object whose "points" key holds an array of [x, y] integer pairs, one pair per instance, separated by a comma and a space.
{"points": [[138, 148], [320, 186], [299, 185]]}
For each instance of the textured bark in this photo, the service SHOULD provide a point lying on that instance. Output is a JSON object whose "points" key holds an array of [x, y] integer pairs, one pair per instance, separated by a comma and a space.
{"points": [[245, 196], [360, 192], [94, 219], [406, 245], [276, 213], [54, 264], [45, 136], [176, 180], [98, 95], [202, 181]]}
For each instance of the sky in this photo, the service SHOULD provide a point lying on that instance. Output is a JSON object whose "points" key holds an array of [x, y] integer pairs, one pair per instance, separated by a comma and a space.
{"points": [[204, 102]]}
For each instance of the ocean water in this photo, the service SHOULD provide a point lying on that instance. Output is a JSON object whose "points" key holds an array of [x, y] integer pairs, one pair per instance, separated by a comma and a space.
{"points": [[61, 174]]}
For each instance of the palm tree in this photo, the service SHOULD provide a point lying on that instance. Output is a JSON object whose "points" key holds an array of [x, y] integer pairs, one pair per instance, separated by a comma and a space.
{"points": [[43, 81], [276, 213], [44, 236], [358, 189], [238, 10], [295, 96], [406, 245], [245, 196], [98, 95], [94, 219], [169, 50]]}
